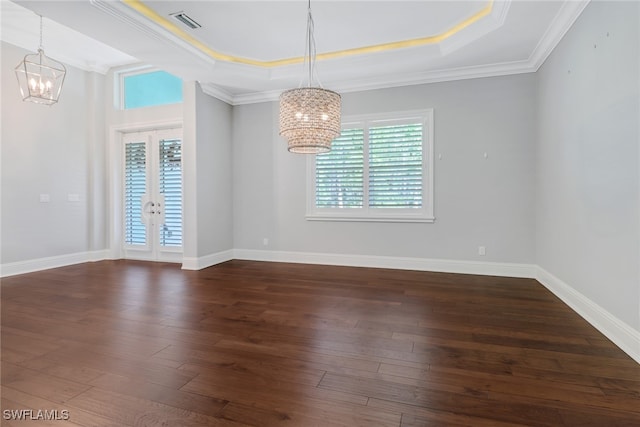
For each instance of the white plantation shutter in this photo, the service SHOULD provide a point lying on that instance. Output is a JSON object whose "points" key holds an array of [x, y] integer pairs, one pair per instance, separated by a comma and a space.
{"points": [[395, 166], [379, 169], [135, 188], [170, 186], [339, 173]]}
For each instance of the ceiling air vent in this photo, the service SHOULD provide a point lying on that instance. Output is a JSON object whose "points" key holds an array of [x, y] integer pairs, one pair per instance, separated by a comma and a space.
{"points": [[185, 19]]}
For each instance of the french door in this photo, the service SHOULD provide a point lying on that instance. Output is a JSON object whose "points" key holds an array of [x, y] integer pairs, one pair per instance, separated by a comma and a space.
{"points": [[152, 202]]}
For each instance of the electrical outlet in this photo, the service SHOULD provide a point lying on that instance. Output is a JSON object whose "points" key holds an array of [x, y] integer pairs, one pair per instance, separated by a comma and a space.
{"points": [[482, 251], [44, 198], [265, 241]]}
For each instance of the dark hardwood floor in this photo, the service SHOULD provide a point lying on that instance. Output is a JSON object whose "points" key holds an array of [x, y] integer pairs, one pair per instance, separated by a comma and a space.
{"points": [[123, 343]]}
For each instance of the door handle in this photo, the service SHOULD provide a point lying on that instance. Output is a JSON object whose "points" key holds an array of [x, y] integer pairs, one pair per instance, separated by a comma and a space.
{"points": [[152, 208], [149, 208]]}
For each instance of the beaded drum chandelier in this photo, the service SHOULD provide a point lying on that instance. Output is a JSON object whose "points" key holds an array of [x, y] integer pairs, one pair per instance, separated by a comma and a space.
{"points": [[309, 116]]}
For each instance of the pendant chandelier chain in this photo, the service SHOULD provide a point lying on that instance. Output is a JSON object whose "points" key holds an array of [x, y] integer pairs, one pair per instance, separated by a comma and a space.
{"points": [[40, 45], [310, 51]]}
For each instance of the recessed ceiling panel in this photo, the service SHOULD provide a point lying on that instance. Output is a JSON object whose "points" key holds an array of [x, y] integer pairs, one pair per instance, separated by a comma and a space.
{"points": [[274, 30], [251, 50]]}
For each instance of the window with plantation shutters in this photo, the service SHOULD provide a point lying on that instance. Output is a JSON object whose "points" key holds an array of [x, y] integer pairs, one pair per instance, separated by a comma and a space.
{"points": [[395, 166], [379, 169], [135, 177], [339, 173]]}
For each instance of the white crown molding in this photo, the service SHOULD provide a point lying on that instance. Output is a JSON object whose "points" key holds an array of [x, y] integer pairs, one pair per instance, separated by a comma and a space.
{"points": [[217, 92], [437, 76], [256, 97], [562, 22]]}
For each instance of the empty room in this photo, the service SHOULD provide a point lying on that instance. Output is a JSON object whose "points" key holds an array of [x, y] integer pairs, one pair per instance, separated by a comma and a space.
{"points": [[320, 213]]}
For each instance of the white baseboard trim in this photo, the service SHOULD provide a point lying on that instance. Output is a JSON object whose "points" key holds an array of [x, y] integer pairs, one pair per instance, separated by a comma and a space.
{"points": [[622, 335], [29, 266], [400, 263], [100, 255], [190, 263]]}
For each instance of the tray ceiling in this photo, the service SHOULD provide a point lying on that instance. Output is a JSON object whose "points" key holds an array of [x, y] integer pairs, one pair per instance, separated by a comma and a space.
{"points": [[248, 51]]}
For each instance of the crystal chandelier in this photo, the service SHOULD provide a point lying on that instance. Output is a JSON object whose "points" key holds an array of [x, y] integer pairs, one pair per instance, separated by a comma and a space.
{"points": [[309, 116], [40, 77]]}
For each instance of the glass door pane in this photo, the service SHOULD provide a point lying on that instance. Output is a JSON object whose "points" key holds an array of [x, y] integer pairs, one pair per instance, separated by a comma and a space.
{"points": [[135, 181], [170, 189]]}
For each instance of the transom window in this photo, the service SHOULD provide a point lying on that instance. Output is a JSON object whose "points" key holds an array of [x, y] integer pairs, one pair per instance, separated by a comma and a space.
{"points": [[149, 88], [379, 169]]}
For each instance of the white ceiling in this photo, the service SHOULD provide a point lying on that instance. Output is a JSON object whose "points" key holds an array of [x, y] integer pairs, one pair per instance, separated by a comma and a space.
{"points": [[477, 38]]}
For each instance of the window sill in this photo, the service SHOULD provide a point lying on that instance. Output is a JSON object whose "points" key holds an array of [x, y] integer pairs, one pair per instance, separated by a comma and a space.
{"points": [[350, 218]]}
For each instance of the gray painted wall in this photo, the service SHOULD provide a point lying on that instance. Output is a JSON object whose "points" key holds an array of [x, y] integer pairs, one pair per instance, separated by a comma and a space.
{"points": [[254, 170], [214, 179], [478, 201], [588, 231], [50, 150]]}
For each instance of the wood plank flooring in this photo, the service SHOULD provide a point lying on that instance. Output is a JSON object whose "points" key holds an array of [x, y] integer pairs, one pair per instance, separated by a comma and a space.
{"points": [[124, 343]]}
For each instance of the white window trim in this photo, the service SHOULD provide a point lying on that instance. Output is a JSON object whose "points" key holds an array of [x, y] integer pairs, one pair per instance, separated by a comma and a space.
{"points": [[366, 214], [128, 72], [119, 77]]}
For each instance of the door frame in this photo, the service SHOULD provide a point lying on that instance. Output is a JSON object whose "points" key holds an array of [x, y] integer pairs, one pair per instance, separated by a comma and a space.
{"points": [[115, 166]]}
